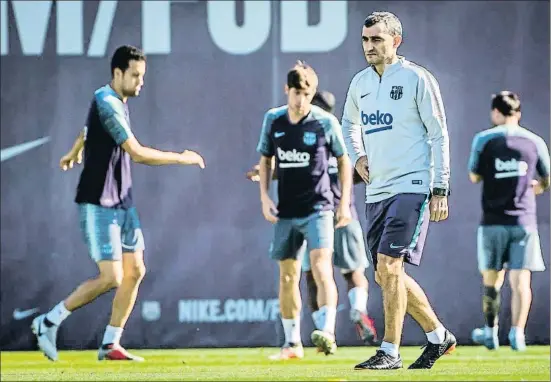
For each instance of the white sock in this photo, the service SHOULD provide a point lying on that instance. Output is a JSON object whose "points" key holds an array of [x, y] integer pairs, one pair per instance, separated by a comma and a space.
{"points": [[58, 314], [330, 314], [112, 335], [291, 326], [517, 332], [358, 299], [319, 319], [390, 349], [490, 332], [437, 336]]}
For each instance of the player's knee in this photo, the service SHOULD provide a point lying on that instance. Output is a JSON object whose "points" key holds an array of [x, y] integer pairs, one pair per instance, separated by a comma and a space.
{"points": [[520, 281], [322, 265], [492, 278], [288, 279], [355, 278], [388, 267], [110, 280], [136, 272], [289, 274], [110, 275]]}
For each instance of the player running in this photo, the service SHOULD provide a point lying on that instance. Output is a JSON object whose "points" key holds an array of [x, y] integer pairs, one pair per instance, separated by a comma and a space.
{"points": [[108, 218], [394, 124], [349, 250], [302, 137], [513, 164]]}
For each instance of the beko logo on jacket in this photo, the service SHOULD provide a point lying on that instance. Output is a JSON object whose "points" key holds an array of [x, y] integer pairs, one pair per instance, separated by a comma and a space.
{"points": [[381, 121]]}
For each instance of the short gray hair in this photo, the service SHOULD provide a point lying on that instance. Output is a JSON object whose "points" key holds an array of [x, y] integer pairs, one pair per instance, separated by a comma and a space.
{"points": [[390, 20]]}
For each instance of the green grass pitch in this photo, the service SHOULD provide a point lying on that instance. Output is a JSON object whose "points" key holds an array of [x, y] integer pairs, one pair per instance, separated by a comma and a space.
{"points": [[466, 363]]}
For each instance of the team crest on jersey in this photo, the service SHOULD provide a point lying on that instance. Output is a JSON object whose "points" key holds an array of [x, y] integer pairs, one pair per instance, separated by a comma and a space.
{"points": [[396, 92], [309, 138]]}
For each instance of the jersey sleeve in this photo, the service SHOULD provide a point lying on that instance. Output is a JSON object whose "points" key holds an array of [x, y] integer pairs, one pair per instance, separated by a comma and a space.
{"points": [[334, 136], [111, 114], [431, 110], [265, 144], [351, 124], [477, 146], [543, 165]]}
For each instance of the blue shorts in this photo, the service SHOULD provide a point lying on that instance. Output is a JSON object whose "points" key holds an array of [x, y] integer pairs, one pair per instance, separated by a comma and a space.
{"points": [[349, 254], [398, 227], [108, 232], [290, 234], [511, 247]]}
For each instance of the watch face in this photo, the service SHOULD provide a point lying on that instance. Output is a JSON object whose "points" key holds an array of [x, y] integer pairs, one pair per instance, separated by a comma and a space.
{"points": [[440, 192]]}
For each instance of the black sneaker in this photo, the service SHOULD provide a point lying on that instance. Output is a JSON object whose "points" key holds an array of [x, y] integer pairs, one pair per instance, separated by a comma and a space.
{"points": [[433, 352], [380, 361]]}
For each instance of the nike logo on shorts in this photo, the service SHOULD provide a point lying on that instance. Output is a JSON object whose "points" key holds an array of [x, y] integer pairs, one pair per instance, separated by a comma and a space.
{"points": [[393, 246]]}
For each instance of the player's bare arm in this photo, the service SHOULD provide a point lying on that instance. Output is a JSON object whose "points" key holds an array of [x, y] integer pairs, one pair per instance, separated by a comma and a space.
{"points": [[254, 176], [344, 216], [265, 171], [153, 157], [541, 185], [475, 178], [68, 160]]}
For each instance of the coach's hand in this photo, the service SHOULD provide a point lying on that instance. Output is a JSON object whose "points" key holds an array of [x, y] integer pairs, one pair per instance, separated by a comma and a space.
{"points": [[68, 160], [191, 157], [362, 168], [536, 185], [344, 216], [254, 174], [269, 209], [438, 208]]}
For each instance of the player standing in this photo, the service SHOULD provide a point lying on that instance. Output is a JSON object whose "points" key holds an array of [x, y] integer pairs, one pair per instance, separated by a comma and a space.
{"points": [[302, 137], [349, 250], [513, 164], [394, 124], [108, 218]]}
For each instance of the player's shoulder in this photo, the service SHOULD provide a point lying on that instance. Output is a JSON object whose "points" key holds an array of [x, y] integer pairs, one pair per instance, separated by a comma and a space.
{"points": [[482, 137], [327, 121], [323, 116], [276, 112], [106, 96], [361, 75], [416, 71], [524, 132]]}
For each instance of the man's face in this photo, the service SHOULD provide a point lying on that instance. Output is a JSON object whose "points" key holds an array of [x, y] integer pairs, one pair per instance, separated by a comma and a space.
{"points": [[299, 99], [378, 44], [131, 80]]}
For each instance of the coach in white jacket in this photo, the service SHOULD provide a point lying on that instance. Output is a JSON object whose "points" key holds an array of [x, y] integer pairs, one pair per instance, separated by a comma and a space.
{"points": [[395, 130]]}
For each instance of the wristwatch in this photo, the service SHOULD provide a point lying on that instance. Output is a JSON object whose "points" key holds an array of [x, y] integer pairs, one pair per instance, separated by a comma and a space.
{"points": [[440, 191]]}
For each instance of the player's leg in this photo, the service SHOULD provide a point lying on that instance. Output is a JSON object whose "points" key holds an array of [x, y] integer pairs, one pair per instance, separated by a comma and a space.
{"points": [[351, 258], [285, 250], [127, 292], [319, 232], [105, 249], [405, 230], [390, 276], [311, 288], [525, 257], [492, 248], [376, 217], [440, 341]]}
